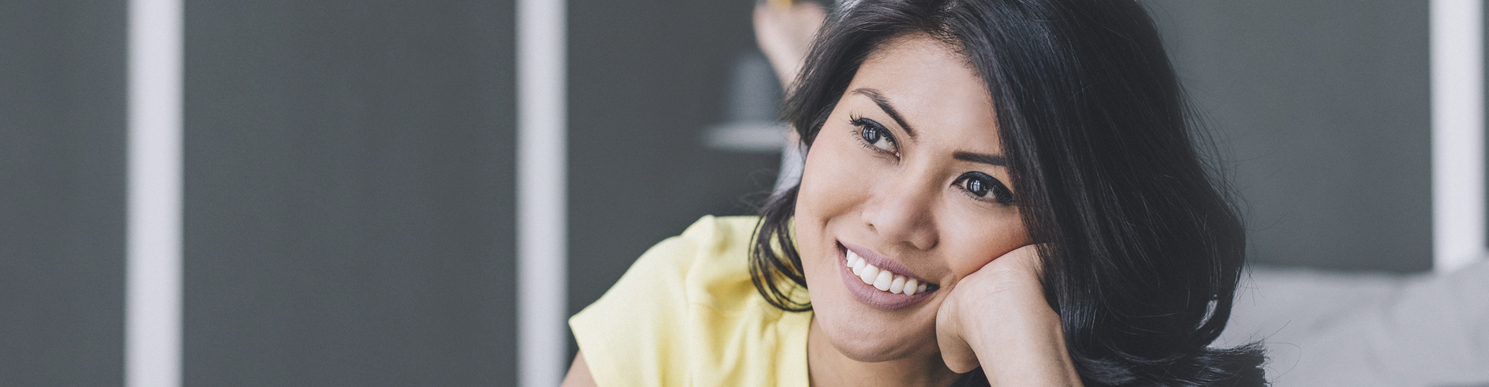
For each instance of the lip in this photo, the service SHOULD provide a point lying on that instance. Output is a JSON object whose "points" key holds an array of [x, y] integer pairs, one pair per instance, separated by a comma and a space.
{"points": [[868, 294], [873, 258]]}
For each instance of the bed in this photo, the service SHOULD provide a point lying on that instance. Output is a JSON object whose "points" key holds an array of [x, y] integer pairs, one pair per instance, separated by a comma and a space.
{"points": [[1355, 329]]}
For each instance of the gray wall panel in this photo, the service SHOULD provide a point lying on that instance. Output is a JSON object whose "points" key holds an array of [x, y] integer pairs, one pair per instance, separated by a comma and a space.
{"points": [[349, 193], [62, 192], [645, 79], [1322, 110]]}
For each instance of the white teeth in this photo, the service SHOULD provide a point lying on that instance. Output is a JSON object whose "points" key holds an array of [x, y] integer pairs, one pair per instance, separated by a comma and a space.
{"points": [[853, 262], [884, 279], [868, 274]]}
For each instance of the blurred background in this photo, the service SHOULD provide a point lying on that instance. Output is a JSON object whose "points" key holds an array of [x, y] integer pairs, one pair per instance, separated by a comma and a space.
{"points": [[350, 177]]}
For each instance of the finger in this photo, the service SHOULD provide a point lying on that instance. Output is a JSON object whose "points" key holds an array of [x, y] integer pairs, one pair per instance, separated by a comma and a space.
{"points": [[957, 355], [955, 351]]}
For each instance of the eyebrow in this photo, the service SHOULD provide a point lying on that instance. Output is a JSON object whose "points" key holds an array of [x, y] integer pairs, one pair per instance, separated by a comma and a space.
{"points": [[981, 158], [883, 103]]}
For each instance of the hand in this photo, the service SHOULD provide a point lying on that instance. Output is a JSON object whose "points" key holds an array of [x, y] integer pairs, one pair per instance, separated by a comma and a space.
{"points": [[785, 33], [998, 318], [985, 294]]}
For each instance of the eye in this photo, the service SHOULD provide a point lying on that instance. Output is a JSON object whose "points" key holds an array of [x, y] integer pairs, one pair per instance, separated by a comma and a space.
{"points": [[875, 135], [985, 187]]}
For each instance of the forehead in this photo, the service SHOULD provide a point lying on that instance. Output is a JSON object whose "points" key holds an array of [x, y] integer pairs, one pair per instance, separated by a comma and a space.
{"points": [[933, 86]]}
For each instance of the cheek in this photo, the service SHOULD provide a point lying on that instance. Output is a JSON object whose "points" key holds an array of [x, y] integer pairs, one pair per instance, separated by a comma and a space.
{"points": [[978, 245], [829, 184], [830, 190]]}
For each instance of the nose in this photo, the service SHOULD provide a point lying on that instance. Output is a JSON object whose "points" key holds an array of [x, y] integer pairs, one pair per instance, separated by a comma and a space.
{"points": [[900, 213]]}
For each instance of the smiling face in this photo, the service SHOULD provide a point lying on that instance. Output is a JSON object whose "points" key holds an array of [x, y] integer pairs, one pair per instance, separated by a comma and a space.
{"points": [[906, 176]]}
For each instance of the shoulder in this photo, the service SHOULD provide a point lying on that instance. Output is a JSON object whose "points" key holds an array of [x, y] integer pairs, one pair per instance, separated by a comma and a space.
{"points": [[685, 312], [703, 265], [712, 244]]}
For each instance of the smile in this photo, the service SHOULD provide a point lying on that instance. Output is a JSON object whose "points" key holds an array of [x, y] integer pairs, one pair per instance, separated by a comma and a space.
{"points": [[879, 282], [881, 279]]}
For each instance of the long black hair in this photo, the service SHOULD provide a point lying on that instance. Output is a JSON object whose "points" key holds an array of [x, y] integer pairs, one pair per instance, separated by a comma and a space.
{"points": [[1142, 249]]}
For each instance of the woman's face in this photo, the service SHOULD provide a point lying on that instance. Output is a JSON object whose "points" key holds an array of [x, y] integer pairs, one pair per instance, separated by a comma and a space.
{"points": [[907, 175]]}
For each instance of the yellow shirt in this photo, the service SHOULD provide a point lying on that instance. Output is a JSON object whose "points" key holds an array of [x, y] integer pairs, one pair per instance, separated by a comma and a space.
{"points": [[687, 314]]}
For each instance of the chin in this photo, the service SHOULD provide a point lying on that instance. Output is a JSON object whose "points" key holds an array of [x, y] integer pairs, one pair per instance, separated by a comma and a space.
{"points": [[868, 335], [861, 344], [857, 330]]}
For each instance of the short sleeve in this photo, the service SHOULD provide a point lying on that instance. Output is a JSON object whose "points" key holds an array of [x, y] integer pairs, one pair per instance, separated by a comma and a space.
{"points": [[634, 334]]}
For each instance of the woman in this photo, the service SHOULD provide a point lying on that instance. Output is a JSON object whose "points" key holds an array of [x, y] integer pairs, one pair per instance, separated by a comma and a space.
{"points": [[995, 192]]}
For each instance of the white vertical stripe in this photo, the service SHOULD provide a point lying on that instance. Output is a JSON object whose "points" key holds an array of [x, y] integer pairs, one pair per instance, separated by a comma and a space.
{"points": [[152, 305], [541, 174], [1458, 219]]}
